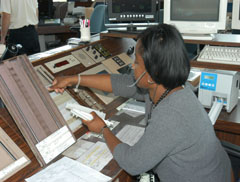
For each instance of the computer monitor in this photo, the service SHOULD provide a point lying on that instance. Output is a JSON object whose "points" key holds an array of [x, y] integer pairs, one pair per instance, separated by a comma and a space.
{"points": [[56, 1], [78, 1], [198, 18], [236, 14], [45, 9], [130, 14]]}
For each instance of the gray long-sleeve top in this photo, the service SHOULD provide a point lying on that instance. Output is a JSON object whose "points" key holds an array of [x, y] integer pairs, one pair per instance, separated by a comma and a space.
{"points": [[179, 142]]}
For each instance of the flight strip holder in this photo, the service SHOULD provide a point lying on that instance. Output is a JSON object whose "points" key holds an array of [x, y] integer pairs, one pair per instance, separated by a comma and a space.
{"points": [[13, 159], [33, 110]]}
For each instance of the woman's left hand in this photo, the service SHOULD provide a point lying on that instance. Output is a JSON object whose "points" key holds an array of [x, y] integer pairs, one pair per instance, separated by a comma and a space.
{"points": [[96, 124]]}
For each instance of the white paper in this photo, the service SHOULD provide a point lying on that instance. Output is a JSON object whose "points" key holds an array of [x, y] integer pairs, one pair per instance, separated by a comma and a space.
{"points": [[78, 149], [130, 134], [55, 144], [97, 156], [68, 170], [133, 114]]}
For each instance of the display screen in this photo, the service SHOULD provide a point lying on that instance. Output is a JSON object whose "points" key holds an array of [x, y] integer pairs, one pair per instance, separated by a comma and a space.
{"points": [[209, 77], [45, 8], [59, 1], [78, 1], [136, 6], [192, 10]]}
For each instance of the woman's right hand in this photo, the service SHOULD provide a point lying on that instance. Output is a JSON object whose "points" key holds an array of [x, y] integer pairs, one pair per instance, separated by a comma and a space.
{"points": [[61, 83]]}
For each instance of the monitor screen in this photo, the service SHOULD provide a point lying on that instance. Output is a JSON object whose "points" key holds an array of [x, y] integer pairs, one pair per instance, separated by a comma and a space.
{"points": [[126, 6], [45, 9], [236, 15], [185, 10], [78, 1], [196, 17], [59, 1], [126, 13]]}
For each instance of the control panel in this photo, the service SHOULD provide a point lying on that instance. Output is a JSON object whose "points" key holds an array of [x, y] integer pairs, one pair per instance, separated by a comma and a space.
{"points": [[116, 63], [91, 55], [83, 58], [208, 81], [62, 63], [94, 54]]}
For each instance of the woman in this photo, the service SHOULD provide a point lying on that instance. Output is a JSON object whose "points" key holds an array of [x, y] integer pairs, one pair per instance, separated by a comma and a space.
{"points": [[179, 143]]}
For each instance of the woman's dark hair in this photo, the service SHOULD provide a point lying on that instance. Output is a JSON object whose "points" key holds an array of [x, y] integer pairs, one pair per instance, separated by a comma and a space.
{"points": [[165, 56]]}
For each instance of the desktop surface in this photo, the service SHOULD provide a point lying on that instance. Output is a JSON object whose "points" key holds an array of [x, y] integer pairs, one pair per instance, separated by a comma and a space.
{"points": [[136, 32]]}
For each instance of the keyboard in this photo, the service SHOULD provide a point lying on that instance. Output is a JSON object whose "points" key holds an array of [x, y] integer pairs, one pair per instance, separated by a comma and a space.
{"points": [[220, 54], [198, 36]]}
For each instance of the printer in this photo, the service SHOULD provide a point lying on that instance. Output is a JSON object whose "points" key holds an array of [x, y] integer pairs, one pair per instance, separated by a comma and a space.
{"points": [[218, 89]]}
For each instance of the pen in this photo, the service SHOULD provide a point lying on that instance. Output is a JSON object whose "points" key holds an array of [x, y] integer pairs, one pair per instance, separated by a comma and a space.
{"points": [[88, 23]]}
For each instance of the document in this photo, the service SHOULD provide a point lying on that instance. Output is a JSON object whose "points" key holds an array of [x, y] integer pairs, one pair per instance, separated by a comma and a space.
{"points": [[68, 170], [97, 156], [130, 134], [78, 149], [55, 144]]}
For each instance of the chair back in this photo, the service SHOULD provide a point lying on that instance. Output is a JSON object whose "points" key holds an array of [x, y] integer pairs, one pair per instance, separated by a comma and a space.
{"points": [[97, 24]]}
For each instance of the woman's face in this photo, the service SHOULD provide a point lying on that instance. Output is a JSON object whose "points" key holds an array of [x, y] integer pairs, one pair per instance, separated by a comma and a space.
{"points": [[139, 68]]}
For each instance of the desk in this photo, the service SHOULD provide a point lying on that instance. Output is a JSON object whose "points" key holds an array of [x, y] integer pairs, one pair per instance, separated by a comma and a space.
{"points": [[6, 122], [226, 126], [54, 29], [220, 39], [62, 32]]}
